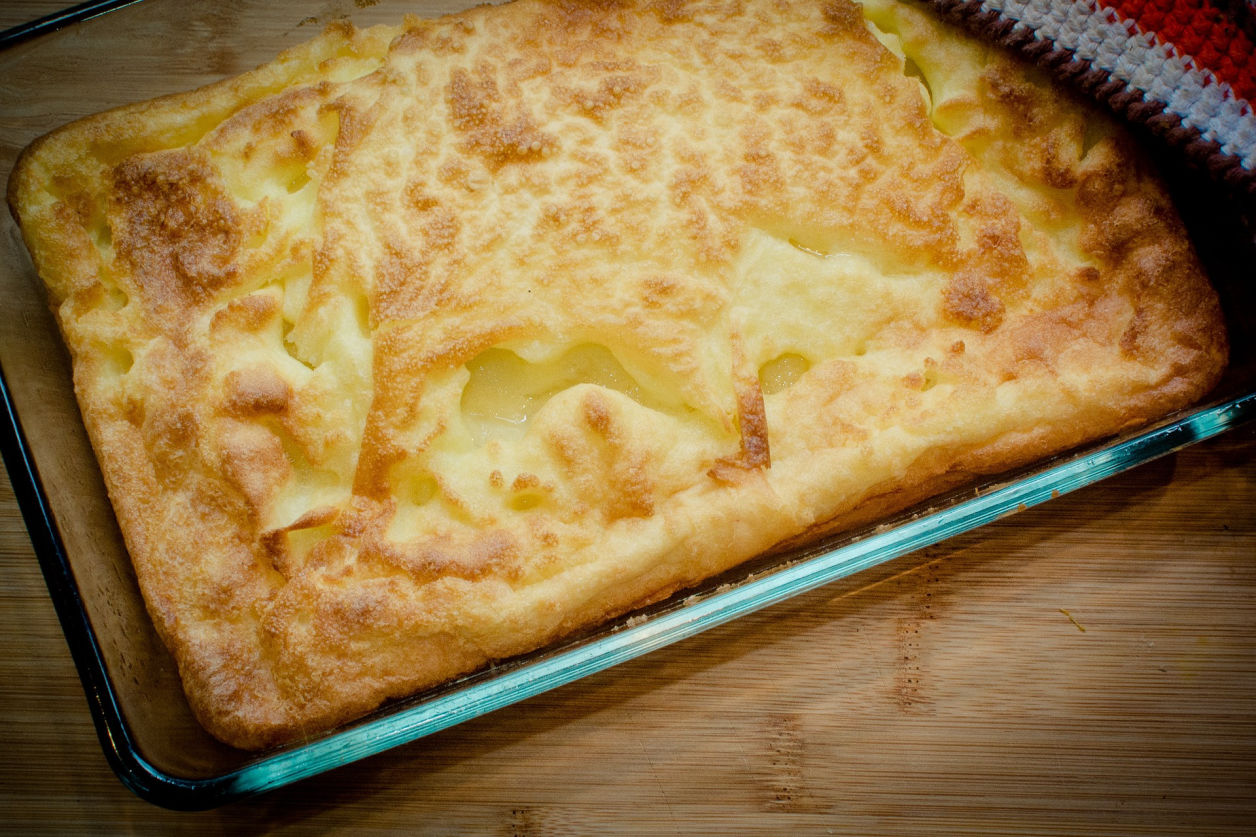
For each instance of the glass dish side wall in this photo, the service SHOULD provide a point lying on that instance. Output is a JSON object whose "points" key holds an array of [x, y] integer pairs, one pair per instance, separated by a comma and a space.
{"points": [[146, 728]]}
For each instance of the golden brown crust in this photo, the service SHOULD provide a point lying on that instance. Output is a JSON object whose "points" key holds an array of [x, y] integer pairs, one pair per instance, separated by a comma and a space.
{"points": [[422, 347]]}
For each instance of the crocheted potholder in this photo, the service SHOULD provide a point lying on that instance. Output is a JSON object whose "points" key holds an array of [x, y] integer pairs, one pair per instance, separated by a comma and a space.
{"points": [[1184, 68]]}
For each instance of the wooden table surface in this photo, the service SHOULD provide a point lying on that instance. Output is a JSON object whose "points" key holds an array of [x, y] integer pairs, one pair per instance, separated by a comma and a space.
{"points": [[1088, 666]]}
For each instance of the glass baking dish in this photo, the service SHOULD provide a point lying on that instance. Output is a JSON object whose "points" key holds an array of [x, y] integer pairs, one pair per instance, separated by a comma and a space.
{"points": [[145, 726]]}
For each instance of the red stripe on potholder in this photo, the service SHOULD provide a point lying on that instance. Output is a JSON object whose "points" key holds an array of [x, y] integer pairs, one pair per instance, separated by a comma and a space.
{"points": [[1198, 29]]}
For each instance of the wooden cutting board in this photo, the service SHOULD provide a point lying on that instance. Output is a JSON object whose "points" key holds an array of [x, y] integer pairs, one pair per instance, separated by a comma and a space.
{"points": [[1088, 666]]}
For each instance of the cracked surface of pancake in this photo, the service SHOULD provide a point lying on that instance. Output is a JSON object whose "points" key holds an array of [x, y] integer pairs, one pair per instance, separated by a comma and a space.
{"points": [[423, 346]]}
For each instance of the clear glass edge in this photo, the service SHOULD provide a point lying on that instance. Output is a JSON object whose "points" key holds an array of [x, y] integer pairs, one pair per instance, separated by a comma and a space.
{"points": [[719, 608], [564, 667]]}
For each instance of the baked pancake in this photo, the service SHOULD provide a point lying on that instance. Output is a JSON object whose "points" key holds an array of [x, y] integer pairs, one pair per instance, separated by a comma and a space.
{"points": [[424, 346]]}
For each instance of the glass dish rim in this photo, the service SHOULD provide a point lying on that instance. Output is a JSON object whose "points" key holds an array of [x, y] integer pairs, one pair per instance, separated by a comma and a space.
{"points": [[406, 722]]}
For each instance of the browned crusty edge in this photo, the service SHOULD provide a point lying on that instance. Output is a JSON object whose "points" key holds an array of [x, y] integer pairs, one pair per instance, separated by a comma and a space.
{"points": [[421, 347]]}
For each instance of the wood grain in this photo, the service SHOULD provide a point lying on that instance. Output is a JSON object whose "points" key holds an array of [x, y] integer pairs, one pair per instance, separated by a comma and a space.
{"points": [[1088, 666]]}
